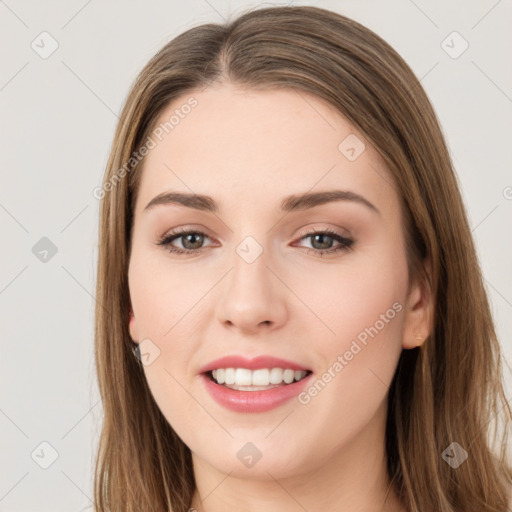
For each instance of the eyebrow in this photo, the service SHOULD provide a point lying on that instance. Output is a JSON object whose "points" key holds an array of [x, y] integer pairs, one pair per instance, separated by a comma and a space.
{"points": [[295, 202]]}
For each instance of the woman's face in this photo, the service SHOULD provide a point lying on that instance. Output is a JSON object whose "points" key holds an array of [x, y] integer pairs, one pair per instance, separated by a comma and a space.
{"points": [[256, 283]]}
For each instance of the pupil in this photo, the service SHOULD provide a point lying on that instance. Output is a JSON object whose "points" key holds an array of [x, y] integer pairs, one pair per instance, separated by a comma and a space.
{"points": [[196, 245], [326, 244]]}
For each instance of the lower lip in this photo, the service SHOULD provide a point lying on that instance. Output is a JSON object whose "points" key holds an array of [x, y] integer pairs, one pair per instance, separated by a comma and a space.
{"points": [[253, 401]]}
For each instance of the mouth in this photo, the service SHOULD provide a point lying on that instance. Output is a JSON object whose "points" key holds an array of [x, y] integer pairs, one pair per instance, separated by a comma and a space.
{"points": [[243, 379]]}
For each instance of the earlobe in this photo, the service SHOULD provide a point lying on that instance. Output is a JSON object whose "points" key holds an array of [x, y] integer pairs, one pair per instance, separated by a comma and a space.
{"points": [[419, 338]]}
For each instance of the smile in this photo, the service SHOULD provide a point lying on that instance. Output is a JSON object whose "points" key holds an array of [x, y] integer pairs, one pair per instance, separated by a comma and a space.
{"points": [[253, 399], [254, 380]]}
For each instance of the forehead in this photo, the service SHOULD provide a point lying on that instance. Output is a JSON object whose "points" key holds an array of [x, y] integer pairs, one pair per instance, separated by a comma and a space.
{"points": [[258, 146]]}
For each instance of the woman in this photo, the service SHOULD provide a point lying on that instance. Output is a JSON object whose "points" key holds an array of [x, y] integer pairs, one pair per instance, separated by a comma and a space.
{"points": [[358, 372]]}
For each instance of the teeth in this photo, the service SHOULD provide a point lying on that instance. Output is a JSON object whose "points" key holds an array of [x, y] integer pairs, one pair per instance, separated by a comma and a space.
{"points": [[276, 376], [288, 376], [243, 377], [229, 376], [260, 377]]}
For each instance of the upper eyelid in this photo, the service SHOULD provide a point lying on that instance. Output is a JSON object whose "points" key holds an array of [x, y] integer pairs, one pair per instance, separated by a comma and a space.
{"points": [[338, 231]]}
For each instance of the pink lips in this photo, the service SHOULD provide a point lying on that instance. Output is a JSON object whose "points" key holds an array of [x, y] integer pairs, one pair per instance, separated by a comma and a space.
{"points": [[252, 401]]}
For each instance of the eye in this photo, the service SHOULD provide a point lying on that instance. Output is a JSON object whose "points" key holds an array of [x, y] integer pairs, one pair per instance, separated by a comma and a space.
{"points": [[193, 240], [322, 240]]}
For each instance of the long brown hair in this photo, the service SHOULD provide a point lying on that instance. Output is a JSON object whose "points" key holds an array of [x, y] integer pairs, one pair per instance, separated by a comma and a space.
{"points": [[449, 389]]}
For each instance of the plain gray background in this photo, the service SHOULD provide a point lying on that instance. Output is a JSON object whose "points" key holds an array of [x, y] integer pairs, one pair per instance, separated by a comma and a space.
{"points": [[58, 116]]}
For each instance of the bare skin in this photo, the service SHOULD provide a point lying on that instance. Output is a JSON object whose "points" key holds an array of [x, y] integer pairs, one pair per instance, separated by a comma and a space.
{"points": [[248, 150]]}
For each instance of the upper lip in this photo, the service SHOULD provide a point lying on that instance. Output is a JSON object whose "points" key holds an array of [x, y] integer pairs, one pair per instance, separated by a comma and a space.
{"points": [[237, 361]]}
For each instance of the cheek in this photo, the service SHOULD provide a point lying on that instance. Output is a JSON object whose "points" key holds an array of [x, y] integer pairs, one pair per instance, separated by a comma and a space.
{"points": [[161, 293], [365, 289], [364, 307], [166, 300], [361, 304], [370, 296]]}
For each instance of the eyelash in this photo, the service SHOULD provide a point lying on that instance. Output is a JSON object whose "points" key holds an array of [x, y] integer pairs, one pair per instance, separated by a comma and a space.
{"points": [[345, 243]]}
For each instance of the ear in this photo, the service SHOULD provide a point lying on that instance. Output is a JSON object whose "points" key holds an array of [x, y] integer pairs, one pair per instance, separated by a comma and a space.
{"points": [[132, 326], [419, 309]]}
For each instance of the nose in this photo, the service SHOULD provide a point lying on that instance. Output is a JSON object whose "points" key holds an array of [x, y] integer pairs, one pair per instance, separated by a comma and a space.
{"points": [[253, 299]]}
